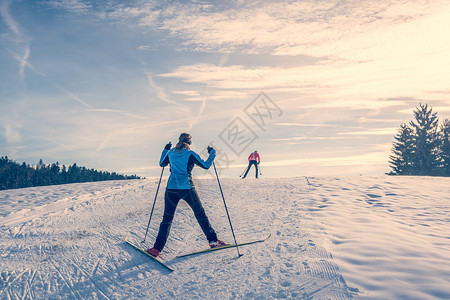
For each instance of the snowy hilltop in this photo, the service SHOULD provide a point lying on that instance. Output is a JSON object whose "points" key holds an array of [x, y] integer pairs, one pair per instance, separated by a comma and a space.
{"points": [[331, 238]]}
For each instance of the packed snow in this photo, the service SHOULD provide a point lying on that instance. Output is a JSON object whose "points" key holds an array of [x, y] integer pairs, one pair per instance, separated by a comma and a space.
{"points": [[331, 238]]}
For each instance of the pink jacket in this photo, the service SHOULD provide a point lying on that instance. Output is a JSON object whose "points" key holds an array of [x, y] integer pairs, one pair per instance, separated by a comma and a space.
{"points": [[254, 156]]}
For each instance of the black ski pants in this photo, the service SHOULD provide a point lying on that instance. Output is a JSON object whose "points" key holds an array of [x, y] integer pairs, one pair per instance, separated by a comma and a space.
{"points": [[171, 200], [250, 163]]}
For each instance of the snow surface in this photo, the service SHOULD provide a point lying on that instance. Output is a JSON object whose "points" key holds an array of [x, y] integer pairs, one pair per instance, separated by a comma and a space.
{"points": [[332, 238]]}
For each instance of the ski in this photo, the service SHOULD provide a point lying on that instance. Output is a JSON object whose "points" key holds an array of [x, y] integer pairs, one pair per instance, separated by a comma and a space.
{"points": [[223, 247], [157, 259]]}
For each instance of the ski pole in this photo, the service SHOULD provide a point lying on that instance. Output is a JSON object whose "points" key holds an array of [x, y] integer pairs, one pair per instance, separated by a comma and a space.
{"points": [[226, 209], [243, 172], [260, 173], [153, 207]]}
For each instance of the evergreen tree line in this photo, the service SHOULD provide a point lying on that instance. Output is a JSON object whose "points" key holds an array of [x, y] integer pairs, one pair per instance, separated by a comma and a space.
{"points": [[422, 147], [14, 175]]}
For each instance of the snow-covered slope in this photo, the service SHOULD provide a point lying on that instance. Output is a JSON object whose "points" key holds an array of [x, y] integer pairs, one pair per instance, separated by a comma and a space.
{"points": [[332, 238]]}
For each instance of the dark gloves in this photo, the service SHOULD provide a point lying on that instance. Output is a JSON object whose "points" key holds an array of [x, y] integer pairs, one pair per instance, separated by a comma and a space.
{"points": [[210, 149], [168, 146]]}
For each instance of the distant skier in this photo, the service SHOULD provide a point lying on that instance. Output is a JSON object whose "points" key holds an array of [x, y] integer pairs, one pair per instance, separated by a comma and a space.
{"points": [[180, 186], [253, 159]]}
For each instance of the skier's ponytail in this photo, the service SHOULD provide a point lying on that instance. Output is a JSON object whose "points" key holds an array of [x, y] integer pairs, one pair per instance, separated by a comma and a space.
{"points": [[183, 141]]}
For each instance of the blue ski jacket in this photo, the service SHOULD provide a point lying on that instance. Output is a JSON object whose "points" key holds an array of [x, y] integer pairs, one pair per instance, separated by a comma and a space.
{"points": [[181, 164]]}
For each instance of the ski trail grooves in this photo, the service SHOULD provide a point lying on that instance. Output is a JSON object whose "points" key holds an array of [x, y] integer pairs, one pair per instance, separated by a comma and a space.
{"points": [[77, 250], [299, 241]]}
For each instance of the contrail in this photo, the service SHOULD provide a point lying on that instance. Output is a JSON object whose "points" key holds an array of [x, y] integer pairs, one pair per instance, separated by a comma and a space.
{"points": [[18, 38], [159, 91]]}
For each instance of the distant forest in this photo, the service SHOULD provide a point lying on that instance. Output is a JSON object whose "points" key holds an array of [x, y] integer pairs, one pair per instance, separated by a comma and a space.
{"points": [[14, 175], [422, 147]]}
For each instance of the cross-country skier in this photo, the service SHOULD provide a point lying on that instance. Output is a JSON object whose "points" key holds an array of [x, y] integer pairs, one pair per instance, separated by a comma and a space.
{"points": [[180, 186], [253, 159]]}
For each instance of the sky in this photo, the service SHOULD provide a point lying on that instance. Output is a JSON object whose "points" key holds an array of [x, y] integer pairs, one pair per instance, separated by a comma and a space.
{"points": [[316, 87]]}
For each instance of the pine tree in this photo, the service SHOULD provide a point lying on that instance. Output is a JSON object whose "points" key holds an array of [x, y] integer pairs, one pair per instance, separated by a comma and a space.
{"points": [[14, 175], [426, 141], [445, 147], [402, 160]]}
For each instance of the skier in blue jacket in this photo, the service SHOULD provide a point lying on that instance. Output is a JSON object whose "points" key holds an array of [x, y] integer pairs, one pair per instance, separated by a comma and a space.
{"points": [[180, 186]]}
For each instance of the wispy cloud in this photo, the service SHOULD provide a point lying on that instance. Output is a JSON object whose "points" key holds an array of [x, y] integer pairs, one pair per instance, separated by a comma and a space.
{"points": [[304, 124], [360, 103], [199, 114], [74, 6], [7, 18], [242, 77], [64, 90], [367, 45], [296, 139], [362, 45], [160, 92], [19, 42], [117, 111], [371, 158], [114, 137], [332, 28], [12, 133], [214, 95], [370, 132]]}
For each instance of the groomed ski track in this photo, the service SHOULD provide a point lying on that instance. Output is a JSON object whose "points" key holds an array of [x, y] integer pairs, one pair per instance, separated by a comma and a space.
{"points": [[67, 241], [73, 247]]}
